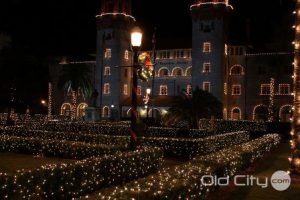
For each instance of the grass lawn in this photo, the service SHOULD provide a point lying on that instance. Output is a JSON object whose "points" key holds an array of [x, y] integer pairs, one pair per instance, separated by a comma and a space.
{"points": [[10, 162], [277, 160]]}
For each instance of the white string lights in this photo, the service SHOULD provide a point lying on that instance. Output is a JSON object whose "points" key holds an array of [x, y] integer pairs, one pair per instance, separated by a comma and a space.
{"points": [[295, 132]]}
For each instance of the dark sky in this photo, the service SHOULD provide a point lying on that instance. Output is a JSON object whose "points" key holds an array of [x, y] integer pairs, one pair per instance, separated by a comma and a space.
{"points": [[58, 27]]}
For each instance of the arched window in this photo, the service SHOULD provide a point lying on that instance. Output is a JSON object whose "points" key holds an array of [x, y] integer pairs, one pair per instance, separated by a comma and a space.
{"points": [[177, 71], [66, 109], [237, 70], [81, 109], [105, 112], [260, 113], [163, 72], [188, 71], [236, 114]]}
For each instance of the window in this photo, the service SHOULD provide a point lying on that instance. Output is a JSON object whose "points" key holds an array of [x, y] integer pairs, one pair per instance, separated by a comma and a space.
{"points": [[125, 73], [206, 68], [107, 71], [206, 86], [163, 90], [206, 47], [107, 53], [189, 89], [189, 71], [284, 89], [139, 90], [163, 72], [106, 89], [236, 70], [265, 89], [126, 54], [236, 90], [125, 89], [177, 72]]}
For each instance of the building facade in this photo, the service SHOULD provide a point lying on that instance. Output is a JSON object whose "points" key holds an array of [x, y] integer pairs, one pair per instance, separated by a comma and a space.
{"points": [[239, 78]]}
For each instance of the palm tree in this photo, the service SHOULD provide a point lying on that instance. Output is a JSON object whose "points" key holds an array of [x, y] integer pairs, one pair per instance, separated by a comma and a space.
{"points": [[75, 79], [192, 108]]}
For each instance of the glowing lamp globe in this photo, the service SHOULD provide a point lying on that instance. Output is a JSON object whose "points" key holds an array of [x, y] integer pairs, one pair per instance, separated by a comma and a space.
{"points": [[136, 37]]}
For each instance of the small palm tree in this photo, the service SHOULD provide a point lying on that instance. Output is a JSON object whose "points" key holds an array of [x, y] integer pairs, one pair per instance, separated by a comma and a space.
{"points": [[192, 108], [75, 78]]}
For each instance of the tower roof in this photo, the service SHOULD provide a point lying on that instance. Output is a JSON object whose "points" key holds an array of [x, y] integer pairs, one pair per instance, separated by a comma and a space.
{"points": [[199, 3], [116, 8]]}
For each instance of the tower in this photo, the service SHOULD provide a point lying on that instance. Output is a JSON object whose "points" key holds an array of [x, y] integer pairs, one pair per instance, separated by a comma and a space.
{"points": [[113, 80], [209, 19]]}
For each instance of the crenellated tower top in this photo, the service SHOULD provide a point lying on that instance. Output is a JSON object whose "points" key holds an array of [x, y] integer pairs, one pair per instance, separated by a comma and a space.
{"points": [[116, 8]]}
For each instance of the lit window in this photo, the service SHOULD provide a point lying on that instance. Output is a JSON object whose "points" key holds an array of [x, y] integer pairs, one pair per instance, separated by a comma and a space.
{"points": [[206, 47], [284, 89], [107, 71], [265, 89], [139, 90], [177, 72], [107, 53], [206, 68], [206, 86], [126, 55], [236, 90], [163, 90], [225, 88], [125, 89], [106, 89], [189, 89], [236, 70]]}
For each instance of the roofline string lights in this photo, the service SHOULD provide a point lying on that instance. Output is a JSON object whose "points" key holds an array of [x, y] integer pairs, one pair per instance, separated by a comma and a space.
{"points": [[213, 2], [116, 14]]}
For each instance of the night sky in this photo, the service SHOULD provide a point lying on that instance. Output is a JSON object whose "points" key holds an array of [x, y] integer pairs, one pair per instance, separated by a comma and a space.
{"points": [[44, 28], [59, 27]]}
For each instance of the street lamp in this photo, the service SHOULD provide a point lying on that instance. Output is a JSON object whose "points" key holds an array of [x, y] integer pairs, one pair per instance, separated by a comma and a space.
{"points": [[136, 42], [148, 92]]}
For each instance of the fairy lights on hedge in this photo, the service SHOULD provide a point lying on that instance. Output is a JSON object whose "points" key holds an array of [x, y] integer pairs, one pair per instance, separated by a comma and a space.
{"points": [[188, 148], [65, 181], [183, 181], [56, 148]]}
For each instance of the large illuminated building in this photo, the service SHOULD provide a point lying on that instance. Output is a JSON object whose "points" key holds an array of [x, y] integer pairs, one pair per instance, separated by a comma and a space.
{"points": [[240, 79]]}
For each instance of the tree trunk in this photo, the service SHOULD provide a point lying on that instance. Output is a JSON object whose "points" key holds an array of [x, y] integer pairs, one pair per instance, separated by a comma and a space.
{"points": [[74, 105]]}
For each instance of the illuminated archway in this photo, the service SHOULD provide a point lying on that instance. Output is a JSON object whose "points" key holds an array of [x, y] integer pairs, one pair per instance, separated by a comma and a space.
{"points": [[285, 113], [163, 72], [260, 113], [81, 109], [105, 112], [236, 113], [237, 70], [177, 71], [188, 71], [66, 109]]}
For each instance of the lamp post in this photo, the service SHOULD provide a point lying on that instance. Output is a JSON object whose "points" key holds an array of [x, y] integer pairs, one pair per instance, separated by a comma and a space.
{"points": [[148, 92], [136, 41]]}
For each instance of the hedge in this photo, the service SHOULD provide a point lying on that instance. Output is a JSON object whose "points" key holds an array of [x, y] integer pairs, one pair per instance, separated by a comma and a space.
{"points": [[66, 181], [228, 125], [69, 136], [188, 148], [56, 148], [183, 181]]}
